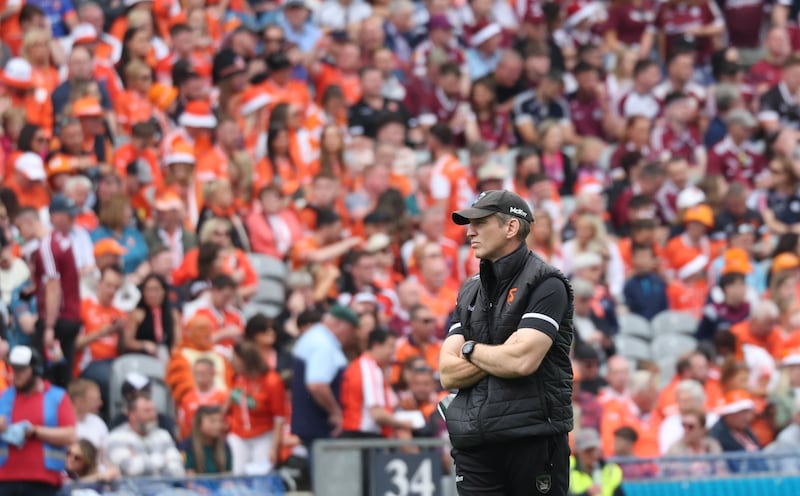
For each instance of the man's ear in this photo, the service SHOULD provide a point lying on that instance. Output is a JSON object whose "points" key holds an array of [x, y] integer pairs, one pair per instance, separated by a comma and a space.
{"points": [[512, 228]]}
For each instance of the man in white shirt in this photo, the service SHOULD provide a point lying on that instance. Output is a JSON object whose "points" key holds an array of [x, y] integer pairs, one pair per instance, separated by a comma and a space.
{"points": [[86, 401], [139, 448]]}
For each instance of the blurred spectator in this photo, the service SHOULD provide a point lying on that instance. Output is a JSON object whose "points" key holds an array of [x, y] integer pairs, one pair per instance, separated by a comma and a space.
{"points": [[139, 447], [760, 330], [137, 385], [366, 407], [276, 227], [317, 375], [217, 303], [420, 341], [785, 444], [784, 397], [637, 412], [205, 450], [82, 464], [87, 401], [153, 327], [589, 473], [694, 442], [116, 222], [645, 292], [691, 366], [268, 337], [733, 432], [257, 408], [618, 370], [689, 396]]}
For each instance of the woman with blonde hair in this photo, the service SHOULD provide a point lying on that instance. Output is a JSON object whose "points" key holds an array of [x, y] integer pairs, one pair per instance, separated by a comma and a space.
{"points": [[134, 106], [544, 240], [44, 77], [117, 222], [591, 236], [219, 202]]}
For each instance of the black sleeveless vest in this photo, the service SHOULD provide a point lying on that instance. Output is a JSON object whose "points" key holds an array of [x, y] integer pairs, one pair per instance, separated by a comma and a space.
{"points": [[489, 309]]}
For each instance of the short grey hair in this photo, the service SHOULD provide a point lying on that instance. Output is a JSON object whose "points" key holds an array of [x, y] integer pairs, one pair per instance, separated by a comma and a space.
{"points": [[524, 226], [75, 182], [692, 388], [641, 381], [765, 310], [401, 7]]}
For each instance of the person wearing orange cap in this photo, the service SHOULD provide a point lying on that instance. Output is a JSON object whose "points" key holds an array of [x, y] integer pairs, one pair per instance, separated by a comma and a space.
{"points": [[733, 308], [739, 257], [95, 140], [761, 330], [698, 221], [733, 431], [785, 262]]}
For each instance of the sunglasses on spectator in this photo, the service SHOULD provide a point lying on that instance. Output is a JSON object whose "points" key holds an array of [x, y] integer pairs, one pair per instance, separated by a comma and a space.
{"points": [[222, 233], [75, 456], [428, 320], [689, 426], [275, 40]]}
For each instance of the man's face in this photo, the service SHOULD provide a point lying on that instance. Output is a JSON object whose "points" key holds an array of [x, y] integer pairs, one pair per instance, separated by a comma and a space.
{"points": [[23, 377], [80, 65], [423, 324], [296, 16], [144, 413], [681, 68], [203, 376], [108, 286], [223, 297], [94, 16], [93, 400], [618, 374], [488, 237], [62, 222], [383, 353], [422, 384], [364, 270], [371, 83], [698, 368]]}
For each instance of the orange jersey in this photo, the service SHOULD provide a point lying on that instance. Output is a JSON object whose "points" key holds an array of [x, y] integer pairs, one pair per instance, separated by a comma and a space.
{"points": [[45, 78], [688, 297], [774, 342], [363, 388], [95, 318], [349, 83], [187, 271], [442, 302], [36, 197], [132, 107], [289, 174], [406, 348], [179, 378], [194, 400], [667, 404], [260, 402], [10, 31], [294, 92], [126, 154], [622, 412]]}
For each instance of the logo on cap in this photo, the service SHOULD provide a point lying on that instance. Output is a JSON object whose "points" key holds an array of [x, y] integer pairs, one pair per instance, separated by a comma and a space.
{"points": [[518, 211]]}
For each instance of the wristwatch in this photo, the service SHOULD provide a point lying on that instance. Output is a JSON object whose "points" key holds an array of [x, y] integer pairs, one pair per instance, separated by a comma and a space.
{"points": [[467, 349]]}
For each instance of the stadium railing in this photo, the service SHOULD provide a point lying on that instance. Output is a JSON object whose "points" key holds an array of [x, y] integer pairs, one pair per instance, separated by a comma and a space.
{"points": [[728, 474], [206, 485]]}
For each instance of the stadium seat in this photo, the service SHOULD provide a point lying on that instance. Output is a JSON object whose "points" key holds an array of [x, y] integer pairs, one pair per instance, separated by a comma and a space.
{"points": [[671, 346], [635, 325], [670, 322], [268, 267], [271, 310], [270, 291], [632, 347], [149, 366]]}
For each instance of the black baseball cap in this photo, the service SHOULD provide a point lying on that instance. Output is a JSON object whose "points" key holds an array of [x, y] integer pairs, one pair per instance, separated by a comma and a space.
{"points": [[494, 202]]}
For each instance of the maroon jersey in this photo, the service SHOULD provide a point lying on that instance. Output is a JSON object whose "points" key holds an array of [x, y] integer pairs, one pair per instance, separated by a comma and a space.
{"points": [[743, 20], [668, 143], [630, 22], [436, 104], [676, 20], [587, 116], [54, 260], [741, 163], [496, 132], [764, 73]]}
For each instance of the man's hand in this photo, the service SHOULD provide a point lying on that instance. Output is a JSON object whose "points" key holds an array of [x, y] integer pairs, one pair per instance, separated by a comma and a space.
{"points": [[49, 337], [595, 490], [335, 421]]}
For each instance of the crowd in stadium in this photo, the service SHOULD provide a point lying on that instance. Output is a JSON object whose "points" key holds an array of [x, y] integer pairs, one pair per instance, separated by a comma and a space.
{"points": [[257, 195]]}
